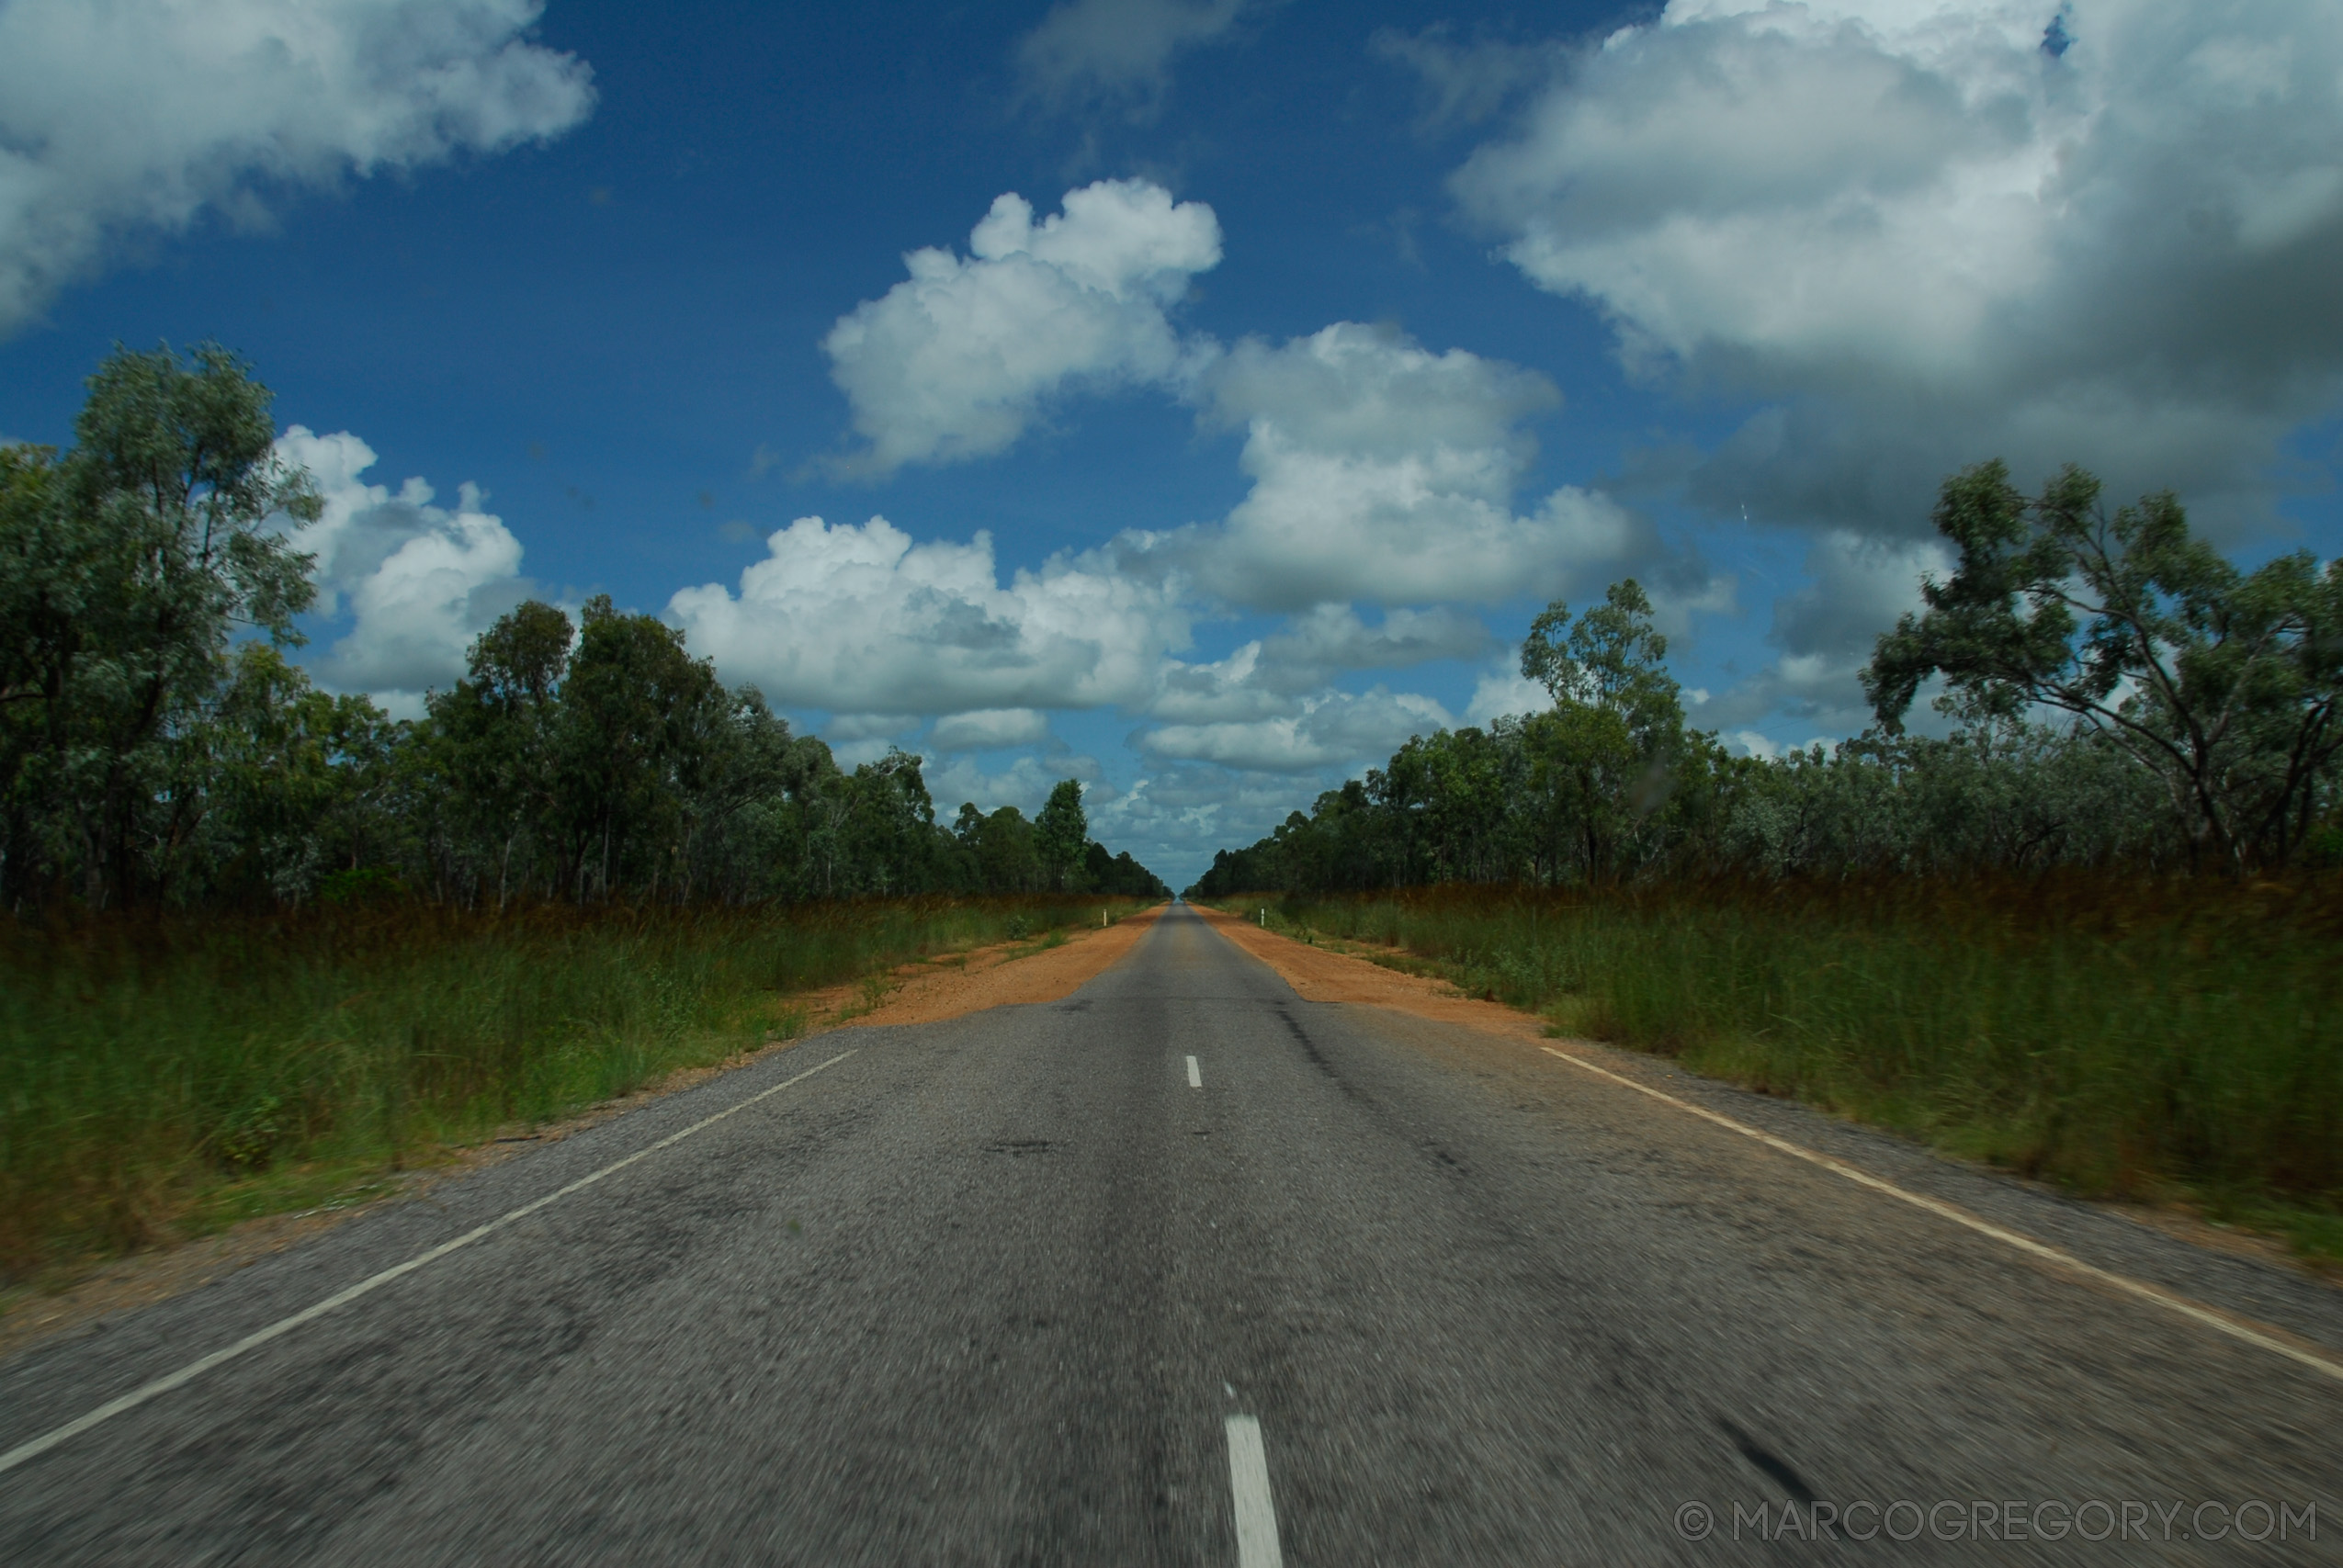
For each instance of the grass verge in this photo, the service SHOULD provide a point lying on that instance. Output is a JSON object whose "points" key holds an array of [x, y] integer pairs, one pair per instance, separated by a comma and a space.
{"points": [[163, 1078], [2167, 1041]]}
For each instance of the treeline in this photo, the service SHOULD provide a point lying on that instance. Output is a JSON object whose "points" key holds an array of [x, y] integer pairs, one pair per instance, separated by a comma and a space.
{"points": [[157, 748], [2125, 699]]}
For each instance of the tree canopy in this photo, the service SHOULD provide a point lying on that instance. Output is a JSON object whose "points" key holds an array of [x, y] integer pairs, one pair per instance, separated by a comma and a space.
{"points": [[2221, 684], [2124, 696], [156, 746]]}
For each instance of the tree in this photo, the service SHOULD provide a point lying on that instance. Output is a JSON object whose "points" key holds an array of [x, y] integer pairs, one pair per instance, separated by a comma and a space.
{"points": [[891, 823], [31, 629], [2221, 684], [291, 781], [158, 746], [637, 714], [499, 724], [126, 566], [1601, 760], [1613, 659], [1060, 834], [1001, 850]]}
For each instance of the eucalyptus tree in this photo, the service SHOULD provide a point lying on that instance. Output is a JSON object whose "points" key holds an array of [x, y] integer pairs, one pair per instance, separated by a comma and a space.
{"points": [[1602, 759], [999, 849], [636, 713], [31, 627], [2221, 684], [292, 783], [499, 734], [156, 744], [890, 825], [127, 567], [1060, 833]]}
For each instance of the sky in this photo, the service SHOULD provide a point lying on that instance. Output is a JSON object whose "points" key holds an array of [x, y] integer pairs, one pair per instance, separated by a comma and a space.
{"points": [[1196, 397]]}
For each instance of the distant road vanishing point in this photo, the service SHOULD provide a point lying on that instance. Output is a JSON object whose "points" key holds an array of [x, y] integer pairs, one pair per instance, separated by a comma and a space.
{"points": [[1186, 1270]]}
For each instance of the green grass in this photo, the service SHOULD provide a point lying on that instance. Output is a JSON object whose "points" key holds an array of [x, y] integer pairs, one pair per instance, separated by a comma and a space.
{"points": [[2148, 1039], [163, 1077]]}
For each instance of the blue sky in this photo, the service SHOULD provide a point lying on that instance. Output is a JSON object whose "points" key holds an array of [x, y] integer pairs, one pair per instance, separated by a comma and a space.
{"points": [[1263, 366]]}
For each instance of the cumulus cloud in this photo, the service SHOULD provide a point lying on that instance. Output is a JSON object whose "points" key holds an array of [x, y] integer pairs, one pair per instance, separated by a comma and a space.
{"points": [[1219, 689], [1502, 689], [1385, 472], [139, 115], [419, 581], [1381, 471], [1273, 676], [1933, 230], [1024, 783], [1857, 585], [1333, 728], [956, 361], [863, 619], [1326, 639], [1173, 819], [987, 730], [1116, 50]]}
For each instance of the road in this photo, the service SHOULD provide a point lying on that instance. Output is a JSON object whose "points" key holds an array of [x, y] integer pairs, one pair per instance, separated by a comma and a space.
{"points": [[1014, 1289]]}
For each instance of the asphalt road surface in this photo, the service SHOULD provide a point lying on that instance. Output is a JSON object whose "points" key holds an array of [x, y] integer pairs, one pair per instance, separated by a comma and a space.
{"points": [[1183, 1270]]}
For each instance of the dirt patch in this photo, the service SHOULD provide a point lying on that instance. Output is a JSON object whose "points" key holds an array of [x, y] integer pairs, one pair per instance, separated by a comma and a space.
{"points": [[1336, 974], [927, 992], [1010, 976]]}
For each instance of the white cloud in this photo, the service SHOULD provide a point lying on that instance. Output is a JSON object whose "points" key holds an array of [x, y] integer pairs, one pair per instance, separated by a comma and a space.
{"points": [[1025, 783], [139, 115], [1827, 630], [421, 583], [881, 730], [959, 359], [1332, 729], [851, 751], [1173, 819], [1385, 472], [1381, 472], [988, 730], [862, 619], [1753, 744], [1327, 638], [1117, 50], [1501, 690], [1932, 239], [1219, 689], [1275, 676]]}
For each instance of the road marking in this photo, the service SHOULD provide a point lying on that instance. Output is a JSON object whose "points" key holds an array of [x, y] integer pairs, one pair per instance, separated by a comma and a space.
{"points": [[1196, 1075], [284, 1325], [1249, 1485], [2186, 1308]]}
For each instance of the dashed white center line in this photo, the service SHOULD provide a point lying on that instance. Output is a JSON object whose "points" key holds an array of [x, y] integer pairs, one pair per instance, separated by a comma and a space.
{"points": [[1196, 1075], [1249, 1485]]}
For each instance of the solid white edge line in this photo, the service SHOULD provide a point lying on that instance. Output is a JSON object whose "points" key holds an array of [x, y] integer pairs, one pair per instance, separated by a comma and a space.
{"points": [[1248, 1490], [1195, 1074], [1959, 1216], [255, 1340]]}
